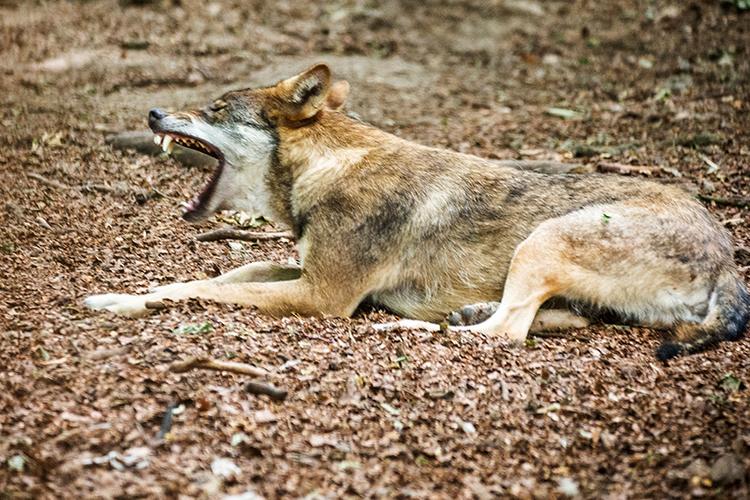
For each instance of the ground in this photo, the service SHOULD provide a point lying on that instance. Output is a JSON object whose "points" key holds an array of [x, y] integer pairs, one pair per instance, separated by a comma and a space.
{"points": [[408, 414]]}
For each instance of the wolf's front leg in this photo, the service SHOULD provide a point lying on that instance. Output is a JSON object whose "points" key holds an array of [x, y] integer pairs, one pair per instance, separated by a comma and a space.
{"points": [[278, 298], [253, 272], [135, 305]]}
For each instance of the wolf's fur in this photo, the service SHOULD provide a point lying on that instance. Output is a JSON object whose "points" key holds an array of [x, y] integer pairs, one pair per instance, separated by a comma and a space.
{"points": [[425, 231]]}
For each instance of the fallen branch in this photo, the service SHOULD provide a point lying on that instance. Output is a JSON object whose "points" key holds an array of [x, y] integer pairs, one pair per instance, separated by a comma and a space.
{"points": [[48, 182], [731, 201], [622, 169], [212, 364], [101, 188], [228, 233], [84, 188], [259, 387]]}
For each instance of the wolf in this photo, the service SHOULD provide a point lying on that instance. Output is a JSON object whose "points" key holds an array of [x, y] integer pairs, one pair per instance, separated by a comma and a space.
{"points": [[424, 231]]}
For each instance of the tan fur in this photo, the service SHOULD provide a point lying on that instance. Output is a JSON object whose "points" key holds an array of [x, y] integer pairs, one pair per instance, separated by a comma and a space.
{"points": [[424, 231]]}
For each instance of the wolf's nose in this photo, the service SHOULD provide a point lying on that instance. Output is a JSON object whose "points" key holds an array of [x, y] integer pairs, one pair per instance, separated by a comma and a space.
{"points": [[155, 114]]}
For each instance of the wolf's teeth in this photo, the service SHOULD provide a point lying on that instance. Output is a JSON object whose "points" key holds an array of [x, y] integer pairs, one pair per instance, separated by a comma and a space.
{"points": [[165, 143], [157, 140], [170, 147]]}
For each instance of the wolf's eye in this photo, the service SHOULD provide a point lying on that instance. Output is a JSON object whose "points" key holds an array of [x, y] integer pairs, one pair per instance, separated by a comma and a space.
{"points": [[218, 106]]}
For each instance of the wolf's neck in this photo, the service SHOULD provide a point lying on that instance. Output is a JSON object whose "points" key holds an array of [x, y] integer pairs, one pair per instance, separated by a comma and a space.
{"points": [[311, 160]]}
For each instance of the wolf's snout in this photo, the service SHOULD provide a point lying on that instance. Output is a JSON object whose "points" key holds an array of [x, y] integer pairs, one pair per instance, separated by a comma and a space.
{"points": [[155, 115]]}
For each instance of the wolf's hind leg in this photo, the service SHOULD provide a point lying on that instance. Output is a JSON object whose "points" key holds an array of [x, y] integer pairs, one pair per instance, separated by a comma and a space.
{"points": [[661, 266], [472, 314], [551, 320], [537, 272], [546, 320]]}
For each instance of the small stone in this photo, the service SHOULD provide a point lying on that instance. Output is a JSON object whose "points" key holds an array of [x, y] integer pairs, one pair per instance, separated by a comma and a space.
{"points": [[225, 468], [568, 487], [727, 469], [264, 417]]}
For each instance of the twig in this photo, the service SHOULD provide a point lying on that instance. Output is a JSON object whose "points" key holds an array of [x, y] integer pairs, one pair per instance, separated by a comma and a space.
{"points": [[48, 182], [212, 364], [228, 233], [732, 201], [84, 188], [166, 422], [259, 387], [622, 169]]}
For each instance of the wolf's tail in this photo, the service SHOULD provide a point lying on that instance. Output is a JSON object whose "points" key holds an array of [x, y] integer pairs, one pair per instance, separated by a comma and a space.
{"points": [[727, 318]]}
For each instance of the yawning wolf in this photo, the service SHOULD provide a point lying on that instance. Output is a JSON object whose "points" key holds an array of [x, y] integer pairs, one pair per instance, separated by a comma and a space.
{"points": [[425, 231]]}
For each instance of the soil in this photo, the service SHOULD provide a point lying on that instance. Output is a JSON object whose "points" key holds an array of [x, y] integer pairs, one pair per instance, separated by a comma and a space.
{"points": [[405, 414]]}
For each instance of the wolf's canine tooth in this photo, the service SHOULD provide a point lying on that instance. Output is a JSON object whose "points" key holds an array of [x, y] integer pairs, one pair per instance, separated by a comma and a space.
{"points": [[166, 143], [157, 140]]}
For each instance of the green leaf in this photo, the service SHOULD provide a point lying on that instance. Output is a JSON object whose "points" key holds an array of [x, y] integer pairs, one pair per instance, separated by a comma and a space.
{"points": [[7, 247], [17, 463], [193, 329], [566, 114], [730, 383], [645, 63], [390, 409], [349, 465], [662, 94]]}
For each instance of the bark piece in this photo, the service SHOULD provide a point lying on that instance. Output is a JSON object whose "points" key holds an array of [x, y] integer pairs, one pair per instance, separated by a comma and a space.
{"points": [[229, 233]]}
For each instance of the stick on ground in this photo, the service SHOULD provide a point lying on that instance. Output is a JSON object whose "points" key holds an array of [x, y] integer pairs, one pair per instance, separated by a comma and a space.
{"points": [[732, 201], [622, 169], [228, 233], [212, 364], [48, 182], [259, 387]]}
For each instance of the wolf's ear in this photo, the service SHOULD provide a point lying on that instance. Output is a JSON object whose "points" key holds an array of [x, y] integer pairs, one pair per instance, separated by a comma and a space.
{"points": [[337, 95], [305, 94]]}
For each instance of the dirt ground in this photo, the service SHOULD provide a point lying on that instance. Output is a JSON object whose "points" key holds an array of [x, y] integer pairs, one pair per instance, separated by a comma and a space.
{"points": [[368, 414]]}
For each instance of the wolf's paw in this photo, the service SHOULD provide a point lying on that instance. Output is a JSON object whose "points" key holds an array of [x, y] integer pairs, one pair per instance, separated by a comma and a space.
{"points": [[118, 303], [472, 314], [407, 324]]}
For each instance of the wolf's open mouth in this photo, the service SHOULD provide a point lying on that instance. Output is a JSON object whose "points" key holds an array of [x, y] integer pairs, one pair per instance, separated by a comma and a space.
{"points": [[195, 208]]}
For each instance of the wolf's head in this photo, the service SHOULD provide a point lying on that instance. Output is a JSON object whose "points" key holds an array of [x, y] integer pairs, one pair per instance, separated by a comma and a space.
{"points": [[240, 130]]}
